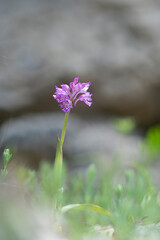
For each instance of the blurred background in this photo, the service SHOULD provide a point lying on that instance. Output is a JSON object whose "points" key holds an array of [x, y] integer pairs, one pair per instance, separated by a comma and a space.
{"points": [[115, 44]]}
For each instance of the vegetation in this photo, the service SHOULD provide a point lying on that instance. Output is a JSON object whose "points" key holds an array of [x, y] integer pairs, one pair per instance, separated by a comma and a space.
{"points": [[95, 202]]}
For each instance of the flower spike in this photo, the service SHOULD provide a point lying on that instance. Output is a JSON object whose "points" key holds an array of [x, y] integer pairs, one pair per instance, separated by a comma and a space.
{"points": [[69, 95]]}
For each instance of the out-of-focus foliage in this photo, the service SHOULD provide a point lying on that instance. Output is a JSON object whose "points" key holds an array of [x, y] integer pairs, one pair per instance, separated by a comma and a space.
{"points": [[124, 125], [128, 203], [6, 157], [86, 203], [151, 144]]}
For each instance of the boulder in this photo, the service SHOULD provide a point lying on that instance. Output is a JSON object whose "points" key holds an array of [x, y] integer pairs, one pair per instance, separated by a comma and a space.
{"points": [[33, 138], [113, 43]]}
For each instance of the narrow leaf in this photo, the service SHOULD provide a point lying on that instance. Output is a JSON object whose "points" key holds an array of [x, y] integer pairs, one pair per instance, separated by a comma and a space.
{"points": [[58, 158], [86, 207], [58, 167]]}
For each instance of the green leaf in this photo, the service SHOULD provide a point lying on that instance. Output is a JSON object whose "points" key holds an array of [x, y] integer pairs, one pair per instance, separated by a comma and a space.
{"points": [[6, 157], [58, 158], [58, 164], [86, 207], [57, 174], [151, 144]]}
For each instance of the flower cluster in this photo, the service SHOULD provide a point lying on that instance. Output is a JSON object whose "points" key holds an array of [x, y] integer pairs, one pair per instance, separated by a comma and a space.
{"points": [[69, 95]]}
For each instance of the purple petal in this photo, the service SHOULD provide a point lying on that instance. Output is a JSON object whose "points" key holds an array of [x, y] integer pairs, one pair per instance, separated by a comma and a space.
{"points": [[86, 98], [66, 106], [65, 88], [76, 79], [88, 103], [85, 86], [74, 83]]}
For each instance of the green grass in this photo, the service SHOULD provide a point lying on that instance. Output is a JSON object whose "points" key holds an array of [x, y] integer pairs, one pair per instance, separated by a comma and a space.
{"points": [[97, 200], [129, 203]]}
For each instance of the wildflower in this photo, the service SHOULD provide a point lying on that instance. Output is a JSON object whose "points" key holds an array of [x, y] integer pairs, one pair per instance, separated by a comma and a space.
{"points": [[69, 95]]}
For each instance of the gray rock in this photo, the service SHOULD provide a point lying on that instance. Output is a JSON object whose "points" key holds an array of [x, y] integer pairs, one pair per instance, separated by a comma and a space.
{"points": [[113, 43], [35, 137]]}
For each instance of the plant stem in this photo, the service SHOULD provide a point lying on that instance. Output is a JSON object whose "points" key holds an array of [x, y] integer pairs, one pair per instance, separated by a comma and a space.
{"points": [[64, 129]]}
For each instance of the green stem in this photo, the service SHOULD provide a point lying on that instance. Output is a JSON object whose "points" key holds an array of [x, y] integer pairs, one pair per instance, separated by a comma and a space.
{"points": [[64, 129]]}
